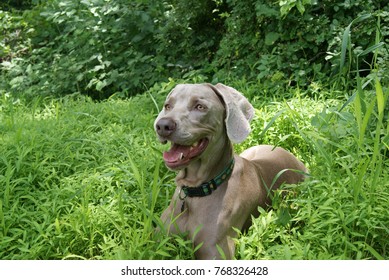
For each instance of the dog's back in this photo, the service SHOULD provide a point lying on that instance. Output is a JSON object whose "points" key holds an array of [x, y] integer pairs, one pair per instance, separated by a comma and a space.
{"points": [[276, 165]]}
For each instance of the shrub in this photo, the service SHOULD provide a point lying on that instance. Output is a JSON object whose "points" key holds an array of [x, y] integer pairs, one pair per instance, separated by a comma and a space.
{"points": [[288, 41], [13, 42], [102, 47], [94, 47]]}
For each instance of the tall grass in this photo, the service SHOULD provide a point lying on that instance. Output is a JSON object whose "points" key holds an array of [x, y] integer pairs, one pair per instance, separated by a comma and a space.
{"points": [[85, 180], [341, 211], [81, 180]]}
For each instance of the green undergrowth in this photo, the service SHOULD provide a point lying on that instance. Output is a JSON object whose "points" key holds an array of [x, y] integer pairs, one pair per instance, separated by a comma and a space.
{"points": [[85, 180], [80, 179], [340, 211]]}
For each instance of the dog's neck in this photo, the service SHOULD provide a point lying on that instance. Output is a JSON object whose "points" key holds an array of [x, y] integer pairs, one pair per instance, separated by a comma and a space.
{"points": [[206, 168]]}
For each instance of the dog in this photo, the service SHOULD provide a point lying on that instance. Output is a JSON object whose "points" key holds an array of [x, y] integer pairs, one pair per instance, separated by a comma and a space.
{"points": [[217, 190]]}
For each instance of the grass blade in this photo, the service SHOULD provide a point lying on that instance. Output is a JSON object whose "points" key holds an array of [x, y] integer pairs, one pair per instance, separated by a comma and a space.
{"points": [[371, 49], [374, 252], [345, 42], [271, 123], [380, 97]]}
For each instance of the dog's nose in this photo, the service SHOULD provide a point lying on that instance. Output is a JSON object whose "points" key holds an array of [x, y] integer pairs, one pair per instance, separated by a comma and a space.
{"points": [[165, 127]]}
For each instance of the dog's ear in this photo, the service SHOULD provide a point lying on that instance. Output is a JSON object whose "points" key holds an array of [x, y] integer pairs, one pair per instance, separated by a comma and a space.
{"points": [[239, 112]]}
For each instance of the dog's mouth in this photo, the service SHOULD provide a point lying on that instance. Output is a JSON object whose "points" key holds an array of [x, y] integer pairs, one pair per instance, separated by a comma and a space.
{"points": [[180, 155]]}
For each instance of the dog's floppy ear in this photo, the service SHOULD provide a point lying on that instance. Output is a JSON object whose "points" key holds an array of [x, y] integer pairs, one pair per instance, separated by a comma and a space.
{"points": [[239, 112]]}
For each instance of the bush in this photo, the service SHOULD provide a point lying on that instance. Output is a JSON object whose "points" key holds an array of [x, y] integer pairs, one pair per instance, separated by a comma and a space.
{"points": [[94, 47], [13, 41], [288, 41], [340, 211], [101, 48], [195, 34], [17, 4]]}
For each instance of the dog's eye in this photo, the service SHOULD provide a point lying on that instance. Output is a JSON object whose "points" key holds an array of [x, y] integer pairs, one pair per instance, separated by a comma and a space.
{"points": [[167, 107], [200, 107]]}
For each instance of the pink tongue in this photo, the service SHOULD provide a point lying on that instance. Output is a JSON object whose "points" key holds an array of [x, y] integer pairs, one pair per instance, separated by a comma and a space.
{"points": [[174, 154]]}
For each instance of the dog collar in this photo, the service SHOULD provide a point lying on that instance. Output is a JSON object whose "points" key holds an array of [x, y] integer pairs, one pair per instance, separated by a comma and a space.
{"points": [[208, 187]]}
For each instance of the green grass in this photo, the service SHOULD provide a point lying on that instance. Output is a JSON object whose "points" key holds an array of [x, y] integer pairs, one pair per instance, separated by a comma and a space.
{"points": [[80, 180], [340, 212], [85, 180]]}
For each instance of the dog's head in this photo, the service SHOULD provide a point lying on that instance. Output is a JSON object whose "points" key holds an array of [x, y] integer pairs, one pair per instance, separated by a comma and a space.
{"points": [[196, 116]]}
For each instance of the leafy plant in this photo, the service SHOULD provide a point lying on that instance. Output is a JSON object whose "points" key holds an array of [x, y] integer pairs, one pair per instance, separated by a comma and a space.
{"points": [[285, 42], [80, 182], [94, 47], [84, 180], [12, 38], [339, 212], [124, 47]]}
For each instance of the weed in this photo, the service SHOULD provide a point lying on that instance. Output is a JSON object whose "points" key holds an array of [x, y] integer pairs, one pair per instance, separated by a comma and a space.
{"points": [[85, 180], [339, 212]]}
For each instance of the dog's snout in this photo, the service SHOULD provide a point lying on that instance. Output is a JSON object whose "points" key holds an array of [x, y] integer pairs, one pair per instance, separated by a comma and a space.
{"points": [[165, 127]]}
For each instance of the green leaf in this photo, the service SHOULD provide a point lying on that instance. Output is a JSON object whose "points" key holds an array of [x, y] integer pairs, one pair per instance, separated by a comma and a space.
{"points": [[300, 7], [271, 122], [163, 253], [345, 42], [374, 252], [271, 38], [100, 85], [371, 48], [380, 97], [198, 247], [221, 252], [346, 39]]}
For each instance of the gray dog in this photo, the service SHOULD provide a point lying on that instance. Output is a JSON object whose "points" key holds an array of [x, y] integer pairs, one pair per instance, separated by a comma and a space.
{"points": [[217, 190]]}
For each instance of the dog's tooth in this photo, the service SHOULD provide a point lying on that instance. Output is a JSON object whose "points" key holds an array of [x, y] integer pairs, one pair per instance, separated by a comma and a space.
{"points": [[181, 156]]}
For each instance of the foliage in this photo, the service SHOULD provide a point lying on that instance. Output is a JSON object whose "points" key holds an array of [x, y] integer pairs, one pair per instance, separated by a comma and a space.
{"points": [[94, 47], [13, 43], [84, 179], [287, 41], [17, 4], [195, 33], [101, 48], [335, 214]]}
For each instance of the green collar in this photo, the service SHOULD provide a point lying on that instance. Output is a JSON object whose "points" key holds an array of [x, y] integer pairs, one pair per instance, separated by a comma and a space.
{"points": [[208, 187]]}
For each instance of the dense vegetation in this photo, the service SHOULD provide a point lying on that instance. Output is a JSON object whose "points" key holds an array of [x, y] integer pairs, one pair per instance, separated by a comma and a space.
{"points": [[124, 47], [81, 82]]}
